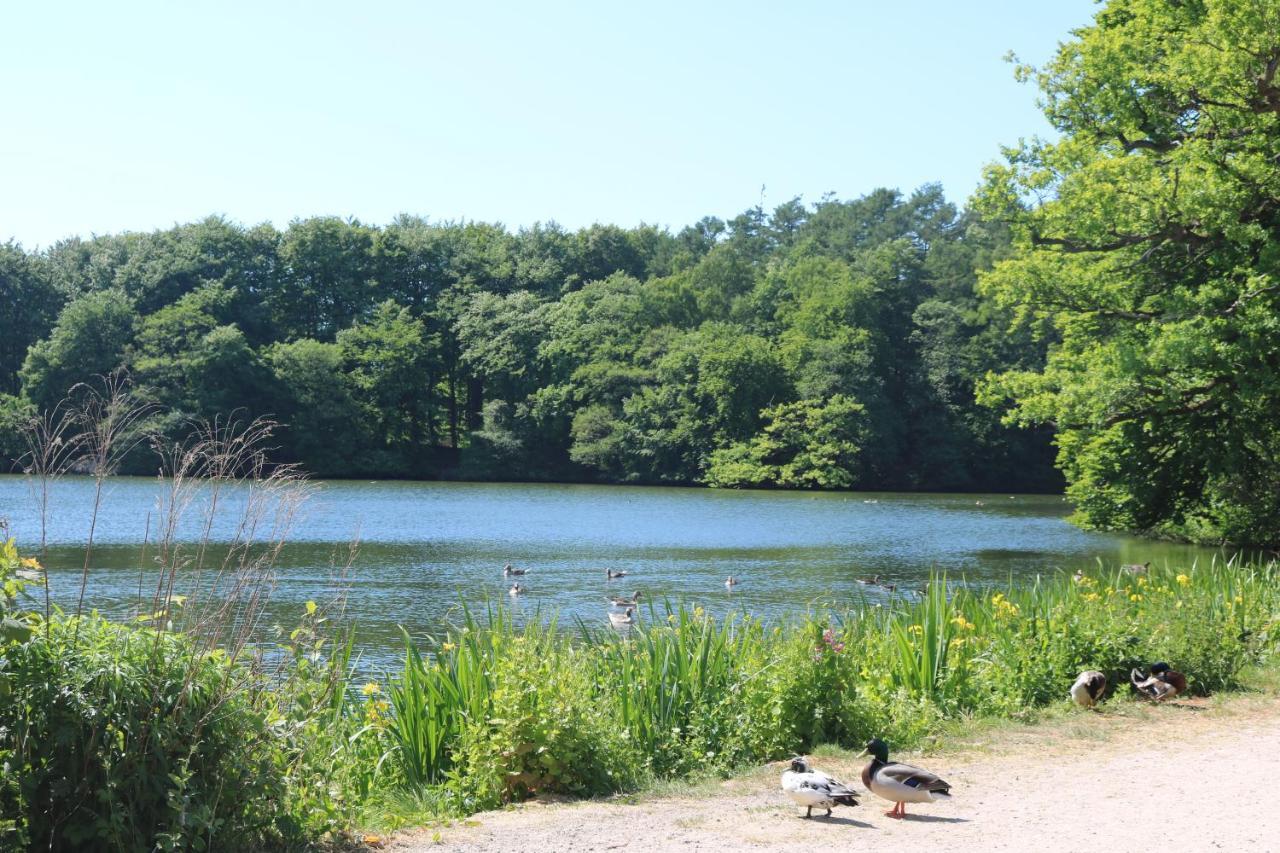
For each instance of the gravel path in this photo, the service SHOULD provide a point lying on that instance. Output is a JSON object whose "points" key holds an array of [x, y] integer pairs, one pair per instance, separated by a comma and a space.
{"points": [[1187, 777]]}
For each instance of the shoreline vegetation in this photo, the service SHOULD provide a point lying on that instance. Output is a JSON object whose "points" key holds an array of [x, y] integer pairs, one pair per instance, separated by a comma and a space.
{"points": [[203, 743]]}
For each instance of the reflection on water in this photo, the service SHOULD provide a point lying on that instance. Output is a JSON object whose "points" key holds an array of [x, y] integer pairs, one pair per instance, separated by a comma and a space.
{"points": [[425, 547]]}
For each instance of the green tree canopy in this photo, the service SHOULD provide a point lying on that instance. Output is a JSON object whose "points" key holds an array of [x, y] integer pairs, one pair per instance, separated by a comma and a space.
{"points": [[1147, 241]]}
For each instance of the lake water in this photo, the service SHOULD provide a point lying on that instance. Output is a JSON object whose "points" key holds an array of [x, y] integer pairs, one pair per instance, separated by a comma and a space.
{"points": [[424, 547]]}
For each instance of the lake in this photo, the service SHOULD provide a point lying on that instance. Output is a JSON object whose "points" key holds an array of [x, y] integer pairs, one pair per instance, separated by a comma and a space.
{"points": [[425, 547]]}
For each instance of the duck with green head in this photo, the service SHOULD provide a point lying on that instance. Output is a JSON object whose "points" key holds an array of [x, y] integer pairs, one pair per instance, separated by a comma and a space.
{"points": [[900, 783]]}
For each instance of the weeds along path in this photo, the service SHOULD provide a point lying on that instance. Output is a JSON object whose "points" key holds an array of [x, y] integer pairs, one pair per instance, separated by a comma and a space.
{"points": [[1198, 776]]}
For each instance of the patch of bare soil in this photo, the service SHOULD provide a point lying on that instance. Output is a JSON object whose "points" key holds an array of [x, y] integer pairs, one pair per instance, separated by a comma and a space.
{"points": [[1191, 776]]}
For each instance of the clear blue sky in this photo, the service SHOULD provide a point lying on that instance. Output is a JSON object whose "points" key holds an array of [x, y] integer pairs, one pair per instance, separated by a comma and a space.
{"points": [[137, 115]]}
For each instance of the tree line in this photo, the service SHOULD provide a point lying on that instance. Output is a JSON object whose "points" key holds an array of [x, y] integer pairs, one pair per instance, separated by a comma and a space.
{"points": [[829, 345]]}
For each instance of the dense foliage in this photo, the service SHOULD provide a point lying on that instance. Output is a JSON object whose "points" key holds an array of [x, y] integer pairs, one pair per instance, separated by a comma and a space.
{"points": [[835, 345], [1148, 239], [137, 737]]}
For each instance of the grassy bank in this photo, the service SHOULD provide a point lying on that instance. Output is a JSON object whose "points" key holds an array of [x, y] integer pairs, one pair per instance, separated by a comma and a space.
{"points": [[491, 712]]}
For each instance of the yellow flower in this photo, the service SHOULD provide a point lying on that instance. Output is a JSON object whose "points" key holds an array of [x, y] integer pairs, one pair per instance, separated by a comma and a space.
{"points": [[1142, 581], [1091, 596], [448, 647], [1135, 597], [962, 623], [1183, 580], [31, 563], [915, 629], [1239, 599], [370, 688]]}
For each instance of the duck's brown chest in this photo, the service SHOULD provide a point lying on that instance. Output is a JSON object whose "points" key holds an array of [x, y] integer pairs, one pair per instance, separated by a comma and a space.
{"points": [[867, 773]]}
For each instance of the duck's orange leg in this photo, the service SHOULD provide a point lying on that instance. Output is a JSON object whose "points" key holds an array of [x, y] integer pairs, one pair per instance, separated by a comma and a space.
{"points": [[898, 811]]}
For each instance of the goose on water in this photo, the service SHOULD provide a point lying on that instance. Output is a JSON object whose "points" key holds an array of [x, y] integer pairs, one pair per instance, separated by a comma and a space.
{"points": [[1088, 689], [1136, 568], [731, 582], [875, 581], [900, 783], [517, 589], [814, 789], [626, 617], [509, 571], [1163, 683], [610, 574], [619, 601]]}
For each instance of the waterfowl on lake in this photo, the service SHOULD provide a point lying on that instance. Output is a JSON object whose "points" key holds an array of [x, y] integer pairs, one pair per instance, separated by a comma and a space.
{"points": [[610, 574], [1088, 689], [626, 617], [815, 789], [979, 503], [1163, 683], [517, 589], [875, 581], [1136, 568], [619, 601], [509, 571], [900, 783], [731, 582]]}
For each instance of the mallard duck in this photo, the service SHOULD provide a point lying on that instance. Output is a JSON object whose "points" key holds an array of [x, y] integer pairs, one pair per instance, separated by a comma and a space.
{"points": [[1136, 568], [900, 783], [626, 617], [815, 789], [875, 581], [517, 589], [509, 571], [619, 601], [610, 574], [731, 582], [1088, 689], [1163, 683]]}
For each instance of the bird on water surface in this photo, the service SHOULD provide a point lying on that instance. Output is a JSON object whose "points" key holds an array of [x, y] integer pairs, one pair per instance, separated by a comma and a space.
{"points": [[510, 571], [900, 783], [731, 582], [610, 574], [815, 789]]}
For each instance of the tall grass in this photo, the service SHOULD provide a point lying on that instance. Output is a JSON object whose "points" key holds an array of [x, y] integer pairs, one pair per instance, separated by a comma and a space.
{"points": [[492, 711]]}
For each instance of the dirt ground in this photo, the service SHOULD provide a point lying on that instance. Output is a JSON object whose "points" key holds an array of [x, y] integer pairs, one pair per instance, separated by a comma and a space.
{"points": [[1195, 776]]}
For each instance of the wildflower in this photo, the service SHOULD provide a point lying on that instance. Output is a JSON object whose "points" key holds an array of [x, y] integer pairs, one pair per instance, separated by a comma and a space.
{"points": [[1183, 580], [448, 647], [1135, 597], [370, 688], [957, 642], [31, 563], [1092, 596], [1239, 599], [1142, 581], [698, 612], [962, 623], [916, 629]]}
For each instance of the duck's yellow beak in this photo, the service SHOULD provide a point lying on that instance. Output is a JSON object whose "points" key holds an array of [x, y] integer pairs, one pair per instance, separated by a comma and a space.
{"points": [[864, 752]]}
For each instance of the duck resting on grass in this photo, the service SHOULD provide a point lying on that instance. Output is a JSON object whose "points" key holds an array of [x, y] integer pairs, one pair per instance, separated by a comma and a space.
{"points": [[900, 783], [1163, 683], [1088, 689], [814, 789]]}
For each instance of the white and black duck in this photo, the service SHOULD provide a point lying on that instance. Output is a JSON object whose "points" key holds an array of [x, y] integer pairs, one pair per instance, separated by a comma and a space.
{"points": [[1088, 688], [814, 789], [511, 571], [900, 783]]}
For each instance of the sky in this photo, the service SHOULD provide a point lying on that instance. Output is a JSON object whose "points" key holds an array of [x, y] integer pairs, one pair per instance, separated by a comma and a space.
{"points": [[139, 115]]}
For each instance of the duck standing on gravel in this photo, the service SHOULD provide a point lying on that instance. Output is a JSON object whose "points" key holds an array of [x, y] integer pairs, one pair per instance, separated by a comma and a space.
{"points": [[1088, 689], [815, 789], [900, 783], [1163, 683]]}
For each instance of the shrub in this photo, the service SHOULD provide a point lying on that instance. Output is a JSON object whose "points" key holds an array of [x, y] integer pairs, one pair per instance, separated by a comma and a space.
{"points": [[127, 739]]}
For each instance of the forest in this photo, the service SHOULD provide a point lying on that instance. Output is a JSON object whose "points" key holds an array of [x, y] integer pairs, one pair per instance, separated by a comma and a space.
{"points": [[833, 345], [1102, 313]]}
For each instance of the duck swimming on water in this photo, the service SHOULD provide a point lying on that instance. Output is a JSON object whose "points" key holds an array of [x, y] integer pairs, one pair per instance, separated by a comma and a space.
{"points": [[610, 574], [509, 571]]}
